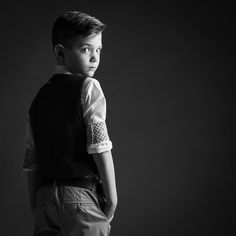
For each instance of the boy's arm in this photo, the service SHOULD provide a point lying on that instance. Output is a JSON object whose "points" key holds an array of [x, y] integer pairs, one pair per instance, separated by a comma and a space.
{"points": [[104, 162], [98, 143], [33, 185], [30, 163]]}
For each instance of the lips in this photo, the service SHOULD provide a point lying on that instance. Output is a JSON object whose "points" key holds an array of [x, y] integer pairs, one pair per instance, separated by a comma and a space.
{"points": [[92, 68]]}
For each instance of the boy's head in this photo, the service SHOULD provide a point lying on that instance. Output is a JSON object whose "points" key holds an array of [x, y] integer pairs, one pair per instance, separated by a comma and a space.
{"points": [[77, 42]]}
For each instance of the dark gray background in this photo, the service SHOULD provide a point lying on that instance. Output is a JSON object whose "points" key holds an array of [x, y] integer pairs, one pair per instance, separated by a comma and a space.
{"points": [[166, 71]]}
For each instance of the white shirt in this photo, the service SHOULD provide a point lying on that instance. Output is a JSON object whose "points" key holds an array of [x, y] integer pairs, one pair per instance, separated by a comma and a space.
{"points": [[94, 112]]}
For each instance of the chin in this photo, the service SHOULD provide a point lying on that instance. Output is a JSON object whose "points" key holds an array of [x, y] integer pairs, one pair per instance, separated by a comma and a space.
{"points": [[90, 73]]}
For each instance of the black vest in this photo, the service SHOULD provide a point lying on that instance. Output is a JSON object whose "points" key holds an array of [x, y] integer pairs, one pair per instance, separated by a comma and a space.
{"points": [[59, 130]]}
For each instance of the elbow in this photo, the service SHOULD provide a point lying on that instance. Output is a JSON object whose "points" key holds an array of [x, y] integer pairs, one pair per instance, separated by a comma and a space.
{"points": [[113, 202]]}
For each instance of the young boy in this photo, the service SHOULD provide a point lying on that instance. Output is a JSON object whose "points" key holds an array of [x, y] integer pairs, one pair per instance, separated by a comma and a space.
{"points": [[68, 156]]}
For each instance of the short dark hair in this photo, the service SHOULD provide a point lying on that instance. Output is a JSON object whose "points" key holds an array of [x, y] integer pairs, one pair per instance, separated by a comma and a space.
{"points": [[72, 24]]}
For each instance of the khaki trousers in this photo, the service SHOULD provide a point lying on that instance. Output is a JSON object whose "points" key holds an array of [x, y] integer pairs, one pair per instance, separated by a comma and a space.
{"points": [[68, 211]]}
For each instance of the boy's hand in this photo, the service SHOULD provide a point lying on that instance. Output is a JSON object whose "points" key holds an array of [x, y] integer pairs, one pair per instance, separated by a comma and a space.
{"points": [[109, 211], [104, 162]]}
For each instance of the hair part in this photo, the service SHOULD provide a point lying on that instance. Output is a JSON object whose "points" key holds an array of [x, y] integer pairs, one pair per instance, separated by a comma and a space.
{"points": [[73, 24]]}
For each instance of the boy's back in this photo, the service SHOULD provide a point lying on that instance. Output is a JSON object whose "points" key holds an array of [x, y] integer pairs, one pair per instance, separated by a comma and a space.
{"points": [[56, 116]]}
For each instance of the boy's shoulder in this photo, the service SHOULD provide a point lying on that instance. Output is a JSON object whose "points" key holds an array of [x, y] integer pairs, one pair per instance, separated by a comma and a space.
{"points": [[89, 81]]}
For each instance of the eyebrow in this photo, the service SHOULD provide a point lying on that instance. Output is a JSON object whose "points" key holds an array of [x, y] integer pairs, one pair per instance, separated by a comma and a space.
{"points": [[84, 44]]}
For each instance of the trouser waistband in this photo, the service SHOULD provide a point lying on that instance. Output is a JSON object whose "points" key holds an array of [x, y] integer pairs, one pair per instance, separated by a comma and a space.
{"points": [[88, 182]]}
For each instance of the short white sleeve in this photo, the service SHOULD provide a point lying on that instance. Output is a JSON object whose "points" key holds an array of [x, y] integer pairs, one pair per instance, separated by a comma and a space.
{"points": [[30, 160], [94, 112]]}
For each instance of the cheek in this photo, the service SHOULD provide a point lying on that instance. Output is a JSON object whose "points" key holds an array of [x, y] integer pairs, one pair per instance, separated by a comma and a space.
{"points": [[80, 59], [73, 58]]}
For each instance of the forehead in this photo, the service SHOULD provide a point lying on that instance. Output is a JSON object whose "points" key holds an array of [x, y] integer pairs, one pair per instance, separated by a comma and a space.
{"points": [[93, 40]]}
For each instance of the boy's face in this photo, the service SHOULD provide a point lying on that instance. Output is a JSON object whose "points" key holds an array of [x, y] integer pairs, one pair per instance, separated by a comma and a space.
{"points": [[83, 56]]}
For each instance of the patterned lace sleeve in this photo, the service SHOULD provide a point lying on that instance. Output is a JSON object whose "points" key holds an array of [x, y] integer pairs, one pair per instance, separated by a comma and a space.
{"points": [[94, 109], [30, 161]]}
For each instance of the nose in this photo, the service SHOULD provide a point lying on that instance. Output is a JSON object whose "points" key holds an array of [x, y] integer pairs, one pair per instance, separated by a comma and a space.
{"points": [[94, 57]]}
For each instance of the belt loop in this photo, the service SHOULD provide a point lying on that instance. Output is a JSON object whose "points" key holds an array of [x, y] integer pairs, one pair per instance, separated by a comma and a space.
{"points": [[56, 192]]}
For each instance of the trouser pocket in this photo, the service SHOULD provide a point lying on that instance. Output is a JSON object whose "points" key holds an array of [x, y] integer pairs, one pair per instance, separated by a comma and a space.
{"points": [[92, 212], [83, 218], [98, 203]]}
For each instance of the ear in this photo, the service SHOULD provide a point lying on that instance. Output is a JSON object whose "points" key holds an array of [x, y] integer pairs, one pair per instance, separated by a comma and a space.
{"points": [[59, 53]]}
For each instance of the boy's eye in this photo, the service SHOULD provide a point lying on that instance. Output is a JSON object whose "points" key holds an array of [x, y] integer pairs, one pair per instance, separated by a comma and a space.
{"points": [[99, 50], [85, 50]]}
